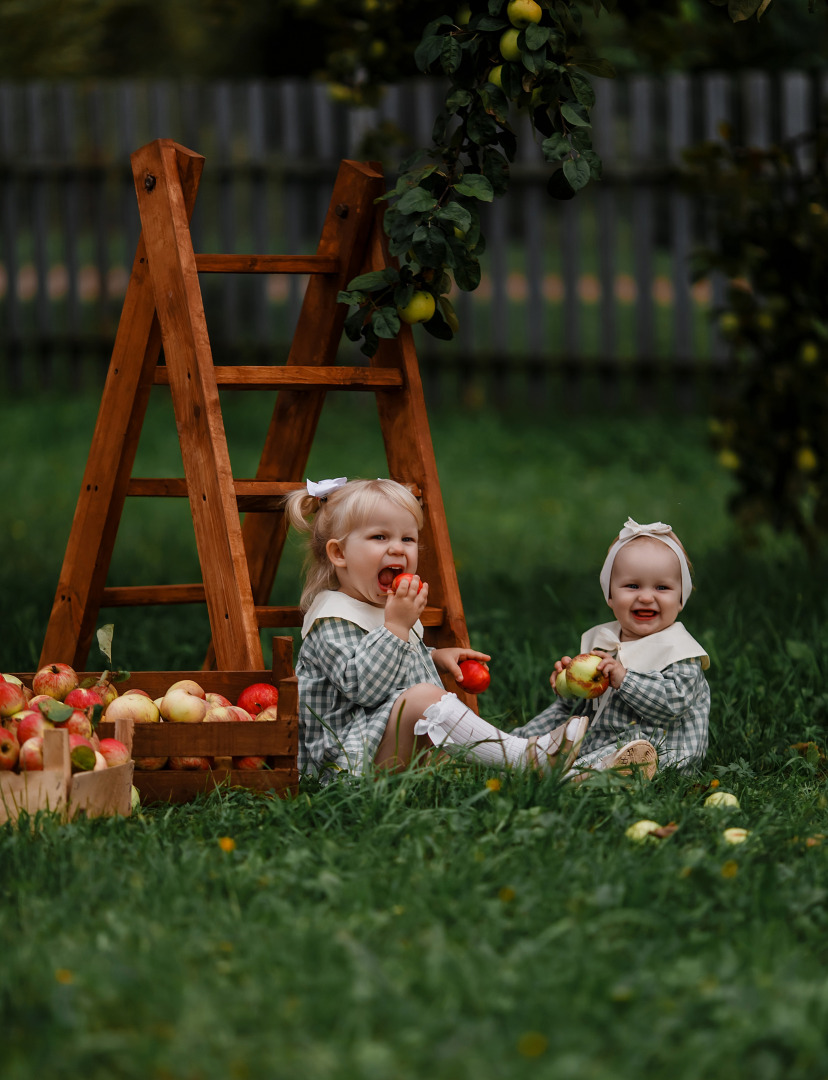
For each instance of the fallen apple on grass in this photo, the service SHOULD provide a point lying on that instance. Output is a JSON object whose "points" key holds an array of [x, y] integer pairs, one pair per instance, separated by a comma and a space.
{"points": [[476, 677]]}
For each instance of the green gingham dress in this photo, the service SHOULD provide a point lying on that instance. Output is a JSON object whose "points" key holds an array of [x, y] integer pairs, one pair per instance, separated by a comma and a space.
{"points": [[663, 698], [351, 670]]}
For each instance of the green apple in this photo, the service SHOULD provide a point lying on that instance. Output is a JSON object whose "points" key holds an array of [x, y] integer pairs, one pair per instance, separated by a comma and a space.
{"points": [[420, 308], [523, 12], [509, 49]]}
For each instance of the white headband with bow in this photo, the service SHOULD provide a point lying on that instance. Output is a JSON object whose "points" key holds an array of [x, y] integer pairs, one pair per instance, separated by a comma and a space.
{"points": [[325, 487], [658, 531]]}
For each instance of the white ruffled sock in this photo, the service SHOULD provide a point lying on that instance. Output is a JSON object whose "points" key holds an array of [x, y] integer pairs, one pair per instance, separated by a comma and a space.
{"points": [[450, 721]]}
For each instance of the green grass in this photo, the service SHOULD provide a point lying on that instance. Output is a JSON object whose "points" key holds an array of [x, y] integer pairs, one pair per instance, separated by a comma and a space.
{"points": [[424, 925]]}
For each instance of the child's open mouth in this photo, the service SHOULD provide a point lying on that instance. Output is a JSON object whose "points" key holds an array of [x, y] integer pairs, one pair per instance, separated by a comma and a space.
{"points": [[387, 575], [645, 614]]}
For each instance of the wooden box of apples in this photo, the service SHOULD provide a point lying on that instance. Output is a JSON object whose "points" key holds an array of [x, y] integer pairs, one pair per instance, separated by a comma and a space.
{"points": [[45, 765], [189, 731]]}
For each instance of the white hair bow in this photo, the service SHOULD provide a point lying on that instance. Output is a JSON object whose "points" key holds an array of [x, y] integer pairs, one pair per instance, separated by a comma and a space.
{"points": [[632, 528], [325, 487]]}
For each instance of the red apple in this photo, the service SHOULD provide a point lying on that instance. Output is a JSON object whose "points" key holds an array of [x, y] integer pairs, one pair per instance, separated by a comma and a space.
{"points": [[77, 724], [107, 690], [55, 681], [143, 693], [83, 698], [476, 677], [12, 698], [249, 764], [189, 763], [150, 764], [114, 752], [395, 584], [36, 701], [258, 696], [9, 750], [583, 678], [31, 754], [31, 726], [216, 699], [222, 714]]}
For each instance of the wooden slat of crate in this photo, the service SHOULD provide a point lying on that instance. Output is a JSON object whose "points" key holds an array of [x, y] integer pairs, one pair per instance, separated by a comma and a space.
{"points": [[167, 785], [101, 794], [47, 790]]}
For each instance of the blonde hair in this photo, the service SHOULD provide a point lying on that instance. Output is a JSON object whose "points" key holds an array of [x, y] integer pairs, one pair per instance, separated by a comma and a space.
{"points": [[333, 517]]}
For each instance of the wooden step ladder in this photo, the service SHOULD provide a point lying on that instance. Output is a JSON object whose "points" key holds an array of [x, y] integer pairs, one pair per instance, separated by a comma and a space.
{"points": [[163, 307]]}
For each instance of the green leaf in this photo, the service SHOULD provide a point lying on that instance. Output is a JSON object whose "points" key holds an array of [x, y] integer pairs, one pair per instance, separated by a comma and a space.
{"points": [[481, 128], [57, 712], [596, 166], [475, 185], [371, 342], [353, 325], [416, 201], [467, 273], [82, 758], [487, 23], [496, 170], [556, 147], [537, 36], [575, 114], [494, 101], [455, 214], [367, 282], [429, 246], [386, 322], [739, 10], [582, 88], [595, 66], [438, 327], [403, 294], [576, 171], [451, 55], [800, 651], [104, 636], [457, 98], [534, 60], [428, 51]]}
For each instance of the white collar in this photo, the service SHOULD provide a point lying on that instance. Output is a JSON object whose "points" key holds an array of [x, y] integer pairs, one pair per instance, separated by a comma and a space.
{"points": [[332, 604], [651, 653]]}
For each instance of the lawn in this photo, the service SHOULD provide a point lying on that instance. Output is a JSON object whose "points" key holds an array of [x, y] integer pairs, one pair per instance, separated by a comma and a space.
{"points": [[449, 923]]}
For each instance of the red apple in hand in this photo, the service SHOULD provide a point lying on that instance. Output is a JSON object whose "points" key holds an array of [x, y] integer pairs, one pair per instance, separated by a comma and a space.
{"points": [[258, 696], [583, 679], [395, 584], [476, 677]]}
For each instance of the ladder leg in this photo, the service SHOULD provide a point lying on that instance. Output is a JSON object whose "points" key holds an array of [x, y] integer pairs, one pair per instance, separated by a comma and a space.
{"points": [[157, 168]]}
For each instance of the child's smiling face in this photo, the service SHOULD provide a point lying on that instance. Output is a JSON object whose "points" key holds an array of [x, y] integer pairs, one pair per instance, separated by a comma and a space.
{"points": [[371, 556], [645, 588]]}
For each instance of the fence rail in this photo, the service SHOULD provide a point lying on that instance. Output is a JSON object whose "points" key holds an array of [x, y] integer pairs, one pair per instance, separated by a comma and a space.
{"points": [[599, 284]]}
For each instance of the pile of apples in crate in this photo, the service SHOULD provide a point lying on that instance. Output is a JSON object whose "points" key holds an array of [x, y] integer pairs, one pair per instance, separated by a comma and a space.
{"points": [[56, 699]]}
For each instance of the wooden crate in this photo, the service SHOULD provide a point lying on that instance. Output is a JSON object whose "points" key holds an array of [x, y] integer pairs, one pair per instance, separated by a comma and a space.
{"points": [[57, 790], [276, 740]]}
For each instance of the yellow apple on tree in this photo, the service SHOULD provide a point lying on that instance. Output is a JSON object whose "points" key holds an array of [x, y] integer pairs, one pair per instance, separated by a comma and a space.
{"points": [[420, 308], [509, 48], [523, 12]]}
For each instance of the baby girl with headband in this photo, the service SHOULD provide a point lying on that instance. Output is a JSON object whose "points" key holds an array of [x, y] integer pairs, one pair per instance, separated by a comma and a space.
{"points": [[366, 677], [657, 707]]}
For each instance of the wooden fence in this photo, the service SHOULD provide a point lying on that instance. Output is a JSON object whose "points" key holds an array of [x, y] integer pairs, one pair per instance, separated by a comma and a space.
{"points": [[599, 284]]}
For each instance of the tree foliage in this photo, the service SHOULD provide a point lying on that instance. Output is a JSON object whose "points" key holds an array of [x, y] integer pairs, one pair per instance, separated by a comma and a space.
{"points": [[769, 224]]}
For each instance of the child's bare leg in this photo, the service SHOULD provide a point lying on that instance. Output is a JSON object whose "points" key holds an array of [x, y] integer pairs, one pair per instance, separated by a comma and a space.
{"points": [[398, 744]]}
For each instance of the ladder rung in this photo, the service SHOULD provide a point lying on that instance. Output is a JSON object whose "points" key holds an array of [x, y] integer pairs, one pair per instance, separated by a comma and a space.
{"points": [[295, 377], [144, 595], [251, 495], [267, 264], [267, 617], [270, 617]]}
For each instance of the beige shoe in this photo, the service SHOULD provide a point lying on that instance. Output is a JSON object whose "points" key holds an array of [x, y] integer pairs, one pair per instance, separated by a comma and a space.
{"points": [[638, 756], [562, 749]]}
